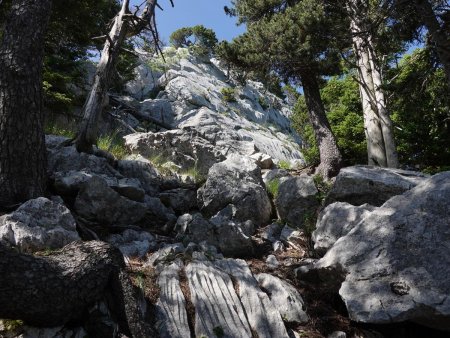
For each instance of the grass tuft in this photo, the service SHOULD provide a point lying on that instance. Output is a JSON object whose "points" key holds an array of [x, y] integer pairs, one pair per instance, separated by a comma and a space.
{"points": [[272, 187], [113, 144]]}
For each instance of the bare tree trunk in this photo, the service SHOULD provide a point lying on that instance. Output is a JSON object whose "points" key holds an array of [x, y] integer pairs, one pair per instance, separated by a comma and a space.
{"points": [[22, 143], [439, 35], [95, 102], [387, 126], [330, 156], [381, 148], [60, 288]]}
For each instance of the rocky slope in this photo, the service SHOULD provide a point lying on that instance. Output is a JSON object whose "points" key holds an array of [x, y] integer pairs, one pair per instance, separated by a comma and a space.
{"points": [[238, 253], [212, 116]]}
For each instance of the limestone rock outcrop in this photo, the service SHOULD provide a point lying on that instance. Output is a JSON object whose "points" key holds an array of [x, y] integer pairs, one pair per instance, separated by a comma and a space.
{"points": [[394, 265]]}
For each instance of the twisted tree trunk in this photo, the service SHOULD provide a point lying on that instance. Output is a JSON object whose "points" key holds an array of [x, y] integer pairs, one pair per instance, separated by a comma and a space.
{"points": [[330, 156], [60, 288], [22, 143]]}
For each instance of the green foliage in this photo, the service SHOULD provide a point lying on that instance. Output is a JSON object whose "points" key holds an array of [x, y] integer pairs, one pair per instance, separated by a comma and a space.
{"points": [[113, 144], [125, 66], [67, 129], [228, 94], [272, 187], [322, 186], [344, 112], [283, 164], [420, 106], [263, 103], [309, 223], [301, 124], [72, 25], [200, 40], [171, 57], [195, 174]]}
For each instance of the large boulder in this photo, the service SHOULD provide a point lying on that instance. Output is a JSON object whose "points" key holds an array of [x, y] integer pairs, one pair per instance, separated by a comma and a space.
{"points": [[237, 182], [232, 238], [65, 159], [335, 221], [96, 201], [180, 200], [186, 148], [138, 167], [296, 200], [395, 264], [373, 185], [69, 183], [284, 297], [38, 224]]}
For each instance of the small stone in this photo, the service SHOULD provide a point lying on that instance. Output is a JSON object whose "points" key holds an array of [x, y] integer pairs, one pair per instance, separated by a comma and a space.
{"points": [[272, 262]]}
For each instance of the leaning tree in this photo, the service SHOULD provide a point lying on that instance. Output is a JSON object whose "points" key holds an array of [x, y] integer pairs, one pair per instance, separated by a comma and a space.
{"points": [[125, 24]]}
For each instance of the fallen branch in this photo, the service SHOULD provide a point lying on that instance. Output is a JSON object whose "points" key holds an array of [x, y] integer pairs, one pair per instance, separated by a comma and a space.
{"points": [[137, 114]]}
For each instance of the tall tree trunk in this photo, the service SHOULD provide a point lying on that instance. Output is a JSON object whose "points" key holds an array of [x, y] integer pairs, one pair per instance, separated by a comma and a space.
{"points": [[22, 142], [87, 134], [381, 148], [439, 35], [387, 126], [60, 288], [330, 156]]}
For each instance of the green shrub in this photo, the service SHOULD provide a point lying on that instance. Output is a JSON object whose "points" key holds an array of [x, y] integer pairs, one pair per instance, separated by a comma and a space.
{"points": [[272, 187], [200, 40], [263, 103], [171, 57], [228, 94], [322, 186], [284, 165]]}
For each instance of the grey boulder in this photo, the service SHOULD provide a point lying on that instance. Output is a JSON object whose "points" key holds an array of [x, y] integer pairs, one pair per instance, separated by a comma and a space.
{"points": [[236, 181], [395, 264], [373, 185], [96, 201], [38, 224], [233, 239], [180, 200], [284, 297], [296, 200], [335, 221], [71, 182]]}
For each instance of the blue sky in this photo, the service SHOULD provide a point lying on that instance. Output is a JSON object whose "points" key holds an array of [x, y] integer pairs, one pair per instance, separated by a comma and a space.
{"points": [[186, 13]]}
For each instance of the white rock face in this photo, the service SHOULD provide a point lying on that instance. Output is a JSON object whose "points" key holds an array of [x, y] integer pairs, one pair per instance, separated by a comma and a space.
{"points": [[191, 100], [39, 224]]}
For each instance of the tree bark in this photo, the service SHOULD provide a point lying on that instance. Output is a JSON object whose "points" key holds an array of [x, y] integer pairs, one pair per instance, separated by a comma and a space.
{"points": [[387, 127], [22, 142], [439, 35], [330, 156], [87, 134], [60, 288], [381, 148]]}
